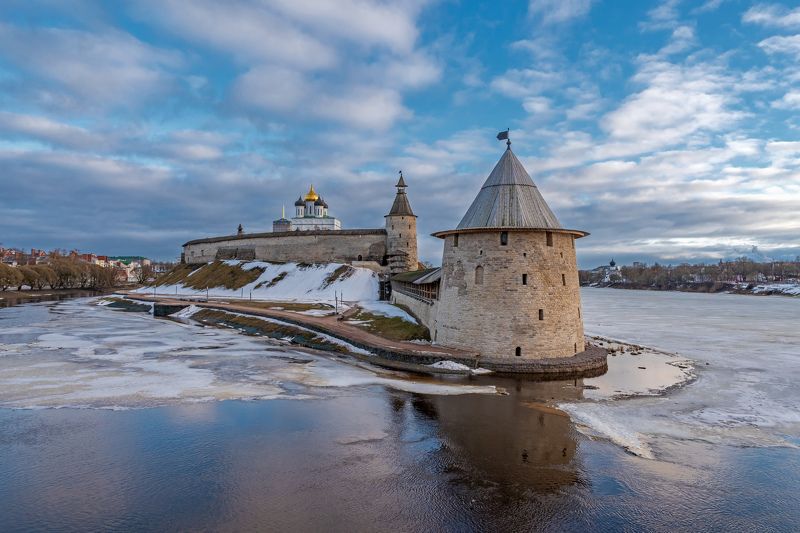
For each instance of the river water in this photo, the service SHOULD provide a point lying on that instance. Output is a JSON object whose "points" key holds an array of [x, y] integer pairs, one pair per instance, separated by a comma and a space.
{"points": [[116, 421]]}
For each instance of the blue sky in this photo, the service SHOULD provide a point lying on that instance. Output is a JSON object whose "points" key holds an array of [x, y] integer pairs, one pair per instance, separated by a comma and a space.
{"points": [[669, 130]]}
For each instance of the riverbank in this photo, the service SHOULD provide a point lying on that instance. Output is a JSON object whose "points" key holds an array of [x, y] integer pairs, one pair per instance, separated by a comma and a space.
{"points": [[763, 289], [387, 352], [9, 298]]}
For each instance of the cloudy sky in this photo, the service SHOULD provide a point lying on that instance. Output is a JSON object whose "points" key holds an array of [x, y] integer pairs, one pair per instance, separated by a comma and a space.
{"points": [[669, 130]]}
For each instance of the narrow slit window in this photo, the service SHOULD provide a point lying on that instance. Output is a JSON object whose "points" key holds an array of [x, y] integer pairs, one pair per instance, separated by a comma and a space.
{"points": [[503, 238], [564, 280], [524, 279], [479, 275], [541, 314], [576, 347], [359, 258], [518, 351], [579, 312], [455, 240], [549, 238]]}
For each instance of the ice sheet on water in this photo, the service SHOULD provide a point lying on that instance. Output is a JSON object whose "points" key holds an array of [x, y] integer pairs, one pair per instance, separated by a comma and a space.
{"points": [[746, 354], [90, 356]]}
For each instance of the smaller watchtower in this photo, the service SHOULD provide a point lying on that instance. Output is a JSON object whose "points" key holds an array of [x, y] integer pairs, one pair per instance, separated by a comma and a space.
{"points": [[401, 233]]}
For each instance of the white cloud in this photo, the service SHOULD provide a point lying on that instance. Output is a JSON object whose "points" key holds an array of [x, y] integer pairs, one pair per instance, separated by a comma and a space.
{"points": [[683, 38], [285, 91], [677, 101], [664, 16], [48, 130], [390, 24], [773, 15], [556, 11], [782, 45], [790, 100], [248, 31], [96, 69], [344, 61], [709, 5], [536, 105], [521, 83]]}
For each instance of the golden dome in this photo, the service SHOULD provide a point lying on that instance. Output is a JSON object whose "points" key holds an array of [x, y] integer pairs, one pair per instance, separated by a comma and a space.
{"points": [[311, 196]]}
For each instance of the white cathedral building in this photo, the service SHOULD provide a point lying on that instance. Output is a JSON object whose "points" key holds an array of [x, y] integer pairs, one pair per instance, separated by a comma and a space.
{"points": [[310, 213]]}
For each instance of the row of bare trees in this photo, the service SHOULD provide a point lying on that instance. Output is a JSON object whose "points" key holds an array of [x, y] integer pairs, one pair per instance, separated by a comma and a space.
{"points": [[60, 273], [739, 270]]}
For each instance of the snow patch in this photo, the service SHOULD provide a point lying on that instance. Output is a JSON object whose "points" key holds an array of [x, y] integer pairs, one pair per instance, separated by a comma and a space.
{"points": [[186, 312], [386, 309]]}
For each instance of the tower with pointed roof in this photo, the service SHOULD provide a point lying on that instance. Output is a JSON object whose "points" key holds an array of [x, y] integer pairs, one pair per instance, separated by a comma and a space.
{"points": [[509, 285], [401, 233]]}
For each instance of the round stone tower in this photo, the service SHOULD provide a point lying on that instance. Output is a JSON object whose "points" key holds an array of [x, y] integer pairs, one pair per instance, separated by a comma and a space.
{"points": [[401, 233], [509, 284]]}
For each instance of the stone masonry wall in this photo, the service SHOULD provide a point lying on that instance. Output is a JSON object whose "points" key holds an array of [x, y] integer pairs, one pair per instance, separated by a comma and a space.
{"points": [[500, 314], [343, 246], [401, 236]]}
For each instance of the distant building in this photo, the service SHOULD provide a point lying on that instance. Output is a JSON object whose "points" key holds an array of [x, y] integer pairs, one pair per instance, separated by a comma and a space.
{"points": [[282, 224], [311, 213]]}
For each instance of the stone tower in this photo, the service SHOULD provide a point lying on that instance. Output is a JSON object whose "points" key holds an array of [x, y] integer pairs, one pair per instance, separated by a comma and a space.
{"points": [[509, 274], [401, 233]]}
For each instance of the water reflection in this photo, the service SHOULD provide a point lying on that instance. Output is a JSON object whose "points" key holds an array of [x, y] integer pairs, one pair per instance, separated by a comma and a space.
{"points": [[515, 441], [11, 298]]}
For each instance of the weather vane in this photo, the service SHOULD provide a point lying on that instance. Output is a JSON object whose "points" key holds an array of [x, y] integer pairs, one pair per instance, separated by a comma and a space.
{"points": [[504, 135]]}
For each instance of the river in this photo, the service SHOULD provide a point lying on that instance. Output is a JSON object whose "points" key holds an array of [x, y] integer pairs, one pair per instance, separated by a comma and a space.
{"points": [[117, 421]]}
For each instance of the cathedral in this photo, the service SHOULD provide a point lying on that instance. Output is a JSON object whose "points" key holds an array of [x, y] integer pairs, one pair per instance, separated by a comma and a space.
{"points": [[310, 213]]}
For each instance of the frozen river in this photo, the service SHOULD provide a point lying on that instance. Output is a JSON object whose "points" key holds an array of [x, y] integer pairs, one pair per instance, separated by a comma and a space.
{"points": [[746, 351], [141, 440]]}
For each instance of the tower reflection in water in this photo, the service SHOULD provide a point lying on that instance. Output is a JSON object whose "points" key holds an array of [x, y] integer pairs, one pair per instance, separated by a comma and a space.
{"points": [[516, 442]]}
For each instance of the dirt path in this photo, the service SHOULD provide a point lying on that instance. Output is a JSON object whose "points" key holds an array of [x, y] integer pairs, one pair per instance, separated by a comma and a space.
{"points": [[327, 324]]}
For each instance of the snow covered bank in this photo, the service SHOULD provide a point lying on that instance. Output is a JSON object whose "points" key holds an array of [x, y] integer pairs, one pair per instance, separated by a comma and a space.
{"points": [[786, 289], [295, 282]]}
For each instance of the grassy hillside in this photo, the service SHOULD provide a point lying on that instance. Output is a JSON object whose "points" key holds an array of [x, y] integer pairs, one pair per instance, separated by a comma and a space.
{"points": [[216, 274]]}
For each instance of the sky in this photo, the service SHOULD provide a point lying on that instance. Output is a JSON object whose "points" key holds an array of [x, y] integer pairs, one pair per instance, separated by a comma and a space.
{"points": [[669, 130]]}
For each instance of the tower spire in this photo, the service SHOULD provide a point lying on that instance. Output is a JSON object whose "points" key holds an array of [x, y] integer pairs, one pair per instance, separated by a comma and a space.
{"points": [[401, 183]]}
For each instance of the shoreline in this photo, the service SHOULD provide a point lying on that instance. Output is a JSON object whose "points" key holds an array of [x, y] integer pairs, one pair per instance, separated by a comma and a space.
{"points": [[728, 288], [589, 363]]}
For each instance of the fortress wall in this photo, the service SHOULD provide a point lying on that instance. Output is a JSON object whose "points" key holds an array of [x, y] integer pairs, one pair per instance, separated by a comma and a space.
{"points": [[343, 246], [501, 313], [424, 311]]}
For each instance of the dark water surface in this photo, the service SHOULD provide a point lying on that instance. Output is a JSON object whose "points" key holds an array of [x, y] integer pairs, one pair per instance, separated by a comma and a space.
{"points": [[370, 458], [375, 460]]}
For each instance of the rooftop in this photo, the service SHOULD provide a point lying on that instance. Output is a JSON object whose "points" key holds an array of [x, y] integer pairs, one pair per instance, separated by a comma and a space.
{"points": [[509, 199]]}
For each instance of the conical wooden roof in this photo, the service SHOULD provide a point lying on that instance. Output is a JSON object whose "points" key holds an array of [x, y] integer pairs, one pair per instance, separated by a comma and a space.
{"points": [[509, 199]]}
